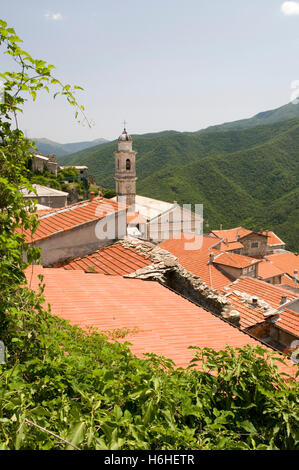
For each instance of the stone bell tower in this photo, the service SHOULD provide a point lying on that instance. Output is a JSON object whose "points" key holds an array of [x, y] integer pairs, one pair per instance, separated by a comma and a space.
{"points": [[125, 170]]}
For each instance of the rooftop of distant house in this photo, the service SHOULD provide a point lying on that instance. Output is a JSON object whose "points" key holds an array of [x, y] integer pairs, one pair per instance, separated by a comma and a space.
{"points": [[274, 295], [68, 217], [42, 191], [287, 262], [193, 253], [114, 260], [267, 270]]}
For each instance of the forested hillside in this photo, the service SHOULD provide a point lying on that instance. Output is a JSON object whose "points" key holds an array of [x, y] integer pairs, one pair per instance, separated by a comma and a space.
{"points": [[243, 177], [283, 113]]}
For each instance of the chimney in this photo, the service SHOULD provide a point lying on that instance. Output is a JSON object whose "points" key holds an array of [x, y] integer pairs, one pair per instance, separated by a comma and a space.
{"points": [[237, 237], [91, 195], [254, 301], [211, 258], [283, 299], [231, 315], [296, 275], [220, 226]]}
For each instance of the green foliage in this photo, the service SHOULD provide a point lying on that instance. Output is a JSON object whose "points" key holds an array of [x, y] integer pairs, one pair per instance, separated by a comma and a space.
{"points": [[242, 177], [108, 193]]}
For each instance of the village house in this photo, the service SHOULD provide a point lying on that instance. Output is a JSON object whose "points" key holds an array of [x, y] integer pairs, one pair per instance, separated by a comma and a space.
{"points": [[280, 325], [78, 229], [46, 196], [114, 260], [253, 243], [288, 263], [247, 242], [268, 272], [235, 265], [40, 163]]}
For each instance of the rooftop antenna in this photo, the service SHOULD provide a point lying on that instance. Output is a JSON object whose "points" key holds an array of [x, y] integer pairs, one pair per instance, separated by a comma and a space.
{"points": [[125, 124]]}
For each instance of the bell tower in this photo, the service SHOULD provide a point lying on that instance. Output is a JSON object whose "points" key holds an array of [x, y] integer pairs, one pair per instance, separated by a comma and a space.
{"points": [[125, 169]]}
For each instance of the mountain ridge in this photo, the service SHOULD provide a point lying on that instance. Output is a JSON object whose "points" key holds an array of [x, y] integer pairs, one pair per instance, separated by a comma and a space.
{"points": [[46, 146]]}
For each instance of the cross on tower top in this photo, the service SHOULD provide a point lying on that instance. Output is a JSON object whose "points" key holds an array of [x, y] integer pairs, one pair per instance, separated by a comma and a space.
{"points": [[125, 124]]}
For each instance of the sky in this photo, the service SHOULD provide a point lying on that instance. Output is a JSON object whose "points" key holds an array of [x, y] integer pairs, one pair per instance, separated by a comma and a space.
{"points": [[160, 64]]}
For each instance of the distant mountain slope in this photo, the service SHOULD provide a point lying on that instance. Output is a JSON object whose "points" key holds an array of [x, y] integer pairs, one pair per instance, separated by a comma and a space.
{"points": [[283, 113], [46, 146], [163, 150], [255, 187]]}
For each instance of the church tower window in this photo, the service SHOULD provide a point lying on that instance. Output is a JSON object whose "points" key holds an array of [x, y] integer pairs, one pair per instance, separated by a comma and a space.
{"points": [[125, 173]]}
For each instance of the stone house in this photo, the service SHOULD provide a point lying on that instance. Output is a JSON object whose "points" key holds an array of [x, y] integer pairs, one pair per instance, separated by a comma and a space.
{"points": [[50, 197], [41, 163], [243, 242], [78, 229]]}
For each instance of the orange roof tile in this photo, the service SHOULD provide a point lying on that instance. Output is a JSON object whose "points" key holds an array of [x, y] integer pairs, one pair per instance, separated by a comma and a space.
{"points": [[166, 322], [273, 239], [286, 281], [68, 217], [135, 217], [287, 262], [197, 260], [249, 315], [263, 290], [289, 321], [115, 260], [230, 246], [234, 260], [230, 235], [266, 270]]}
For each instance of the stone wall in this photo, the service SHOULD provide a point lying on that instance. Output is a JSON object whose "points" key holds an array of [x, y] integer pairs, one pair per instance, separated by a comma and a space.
{"points": [[166, 270]]}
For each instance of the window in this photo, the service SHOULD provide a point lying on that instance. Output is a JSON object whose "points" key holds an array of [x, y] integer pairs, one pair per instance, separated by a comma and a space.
{"points": [[128, 164], [254, 244]]}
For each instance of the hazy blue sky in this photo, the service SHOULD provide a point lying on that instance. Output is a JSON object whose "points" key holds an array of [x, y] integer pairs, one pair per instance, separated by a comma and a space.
{"points": [[159, 64]]}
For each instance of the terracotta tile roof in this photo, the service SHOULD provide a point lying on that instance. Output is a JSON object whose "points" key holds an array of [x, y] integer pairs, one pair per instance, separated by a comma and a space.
{"points": [[289, 321], [234, 260], [263, 290], [166, 322], [287, 262], [136, 218], [273, 239], [230, 235], [286, 281], [197, 260], [266, 269], [115, 260], [230, 246], [68, 217], [249, 315]]}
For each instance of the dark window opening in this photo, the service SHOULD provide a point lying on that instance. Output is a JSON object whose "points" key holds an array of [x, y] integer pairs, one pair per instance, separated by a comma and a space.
{"points": [[128, 164]]}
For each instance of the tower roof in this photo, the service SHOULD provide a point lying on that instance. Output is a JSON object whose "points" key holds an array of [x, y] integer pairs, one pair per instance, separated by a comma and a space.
{"points": [[124, 136]]}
